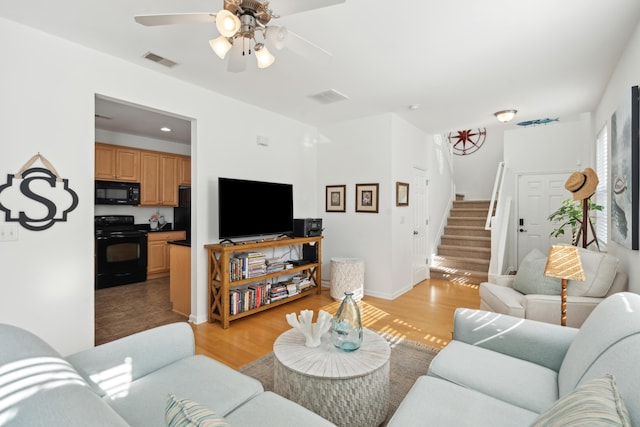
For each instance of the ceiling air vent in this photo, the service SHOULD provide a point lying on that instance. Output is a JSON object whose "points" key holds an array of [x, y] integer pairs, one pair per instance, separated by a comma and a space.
{"points": [[329, 96], [159, 59]]}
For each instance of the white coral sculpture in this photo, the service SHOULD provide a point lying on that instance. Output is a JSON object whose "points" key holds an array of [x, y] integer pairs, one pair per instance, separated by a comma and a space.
{"points": [[312, 331]]}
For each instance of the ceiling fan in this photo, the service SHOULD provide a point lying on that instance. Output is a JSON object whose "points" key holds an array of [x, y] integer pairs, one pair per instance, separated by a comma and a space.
{"points": [[240, 20]]}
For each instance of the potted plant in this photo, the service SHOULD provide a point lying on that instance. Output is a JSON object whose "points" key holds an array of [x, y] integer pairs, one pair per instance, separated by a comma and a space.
{"points": [[570, 214]]}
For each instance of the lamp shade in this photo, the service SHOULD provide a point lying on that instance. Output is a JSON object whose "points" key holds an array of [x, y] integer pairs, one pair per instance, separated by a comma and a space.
{"points": [[505, 115], [276, 36], [263, 56], [220, 46], [227, 23], [564, 263]]}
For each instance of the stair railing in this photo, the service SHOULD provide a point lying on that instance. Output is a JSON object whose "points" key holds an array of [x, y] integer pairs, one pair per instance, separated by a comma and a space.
{"points": [[495, 195], [497, 222]]}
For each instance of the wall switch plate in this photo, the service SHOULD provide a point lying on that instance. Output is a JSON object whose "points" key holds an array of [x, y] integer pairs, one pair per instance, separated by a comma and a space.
{"points": [[8, 232]]}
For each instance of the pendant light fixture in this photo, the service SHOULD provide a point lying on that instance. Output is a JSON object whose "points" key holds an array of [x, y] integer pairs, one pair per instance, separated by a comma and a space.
{"points": [[505, 115], [239, 22]]}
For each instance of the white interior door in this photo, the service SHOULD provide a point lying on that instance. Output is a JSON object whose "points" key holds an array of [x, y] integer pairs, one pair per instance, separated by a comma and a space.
{"points": [[538, 197], [418, 198]]}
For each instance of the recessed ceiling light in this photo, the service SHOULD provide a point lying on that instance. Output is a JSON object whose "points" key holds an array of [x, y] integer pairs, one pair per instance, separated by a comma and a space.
{"points": [[165, 129]]}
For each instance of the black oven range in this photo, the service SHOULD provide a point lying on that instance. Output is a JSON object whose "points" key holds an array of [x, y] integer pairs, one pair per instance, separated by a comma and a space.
{"points": [[120, 251]]}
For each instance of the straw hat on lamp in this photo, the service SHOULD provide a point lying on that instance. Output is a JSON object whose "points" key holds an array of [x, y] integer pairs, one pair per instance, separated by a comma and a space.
{"points": [[582, 184]]}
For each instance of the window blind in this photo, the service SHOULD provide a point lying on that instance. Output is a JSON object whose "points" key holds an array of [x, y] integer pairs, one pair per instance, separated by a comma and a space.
{"points": [[602, 169]]}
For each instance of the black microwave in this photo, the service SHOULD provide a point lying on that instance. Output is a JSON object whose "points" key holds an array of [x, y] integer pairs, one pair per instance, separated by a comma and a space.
{"points": [[117, 193]]}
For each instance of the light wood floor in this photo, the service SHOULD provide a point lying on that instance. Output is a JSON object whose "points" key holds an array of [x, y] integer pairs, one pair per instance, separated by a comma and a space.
{"points": [[424, 314]]}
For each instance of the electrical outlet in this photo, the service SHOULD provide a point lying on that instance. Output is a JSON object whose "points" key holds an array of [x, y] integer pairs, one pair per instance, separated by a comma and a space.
{"points": [[8, 232]]}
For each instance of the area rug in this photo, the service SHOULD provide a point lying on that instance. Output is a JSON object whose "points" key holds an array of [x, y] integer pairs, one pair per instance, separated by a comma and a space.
{"points": [[409, 360]]}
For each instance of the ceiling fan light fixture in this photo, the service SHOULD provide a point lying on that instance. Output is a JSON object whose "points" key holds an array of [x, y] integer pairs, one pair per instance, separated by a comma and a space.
{"points": [[227, 23], [505, 115], [276, 36], [220, 46], [263, 56]]}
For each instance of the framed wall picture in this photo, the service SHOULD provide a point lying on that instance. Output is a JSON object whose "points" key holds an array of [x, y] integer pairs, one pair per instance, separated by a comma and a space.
{"points": [[402, 194], [367, 198], [624, 172], [335, 198]]}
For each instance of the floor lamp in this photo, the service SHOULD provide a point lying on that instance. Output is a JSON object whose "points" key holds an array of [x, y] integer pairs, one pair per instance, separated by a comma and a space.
{"points": [[564, 263]]}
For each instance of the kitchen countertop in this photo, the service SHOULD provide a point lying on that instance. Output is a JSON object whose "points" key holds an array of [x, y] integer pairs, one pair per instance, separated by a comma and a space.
{"points": [[167, 227], [180, 242]]}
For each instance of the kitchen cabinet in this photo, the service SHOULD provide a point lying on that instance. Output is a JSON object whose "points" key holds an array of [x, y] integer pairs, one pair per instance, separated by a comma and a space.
{"points": [[184, 170], [159, 179], [115, 163], [180, 278], [158, 256]]}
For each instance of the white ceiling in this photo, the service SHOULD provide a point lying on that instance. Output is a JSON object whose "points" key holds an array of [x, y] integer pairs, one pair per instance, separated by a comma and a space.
{"points": [[459, 60]]}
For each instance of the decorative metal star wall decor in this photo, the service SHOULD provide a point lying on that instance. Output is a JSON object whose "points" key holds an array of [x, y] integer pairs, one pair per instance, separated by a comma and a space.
{"points": [[467, 141]]}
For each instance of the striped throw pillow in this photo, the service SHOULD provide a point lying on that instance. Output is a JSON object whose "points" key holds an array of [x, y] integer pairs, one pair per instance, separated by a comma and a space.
{"points": [[187, 413], [594, 403]]}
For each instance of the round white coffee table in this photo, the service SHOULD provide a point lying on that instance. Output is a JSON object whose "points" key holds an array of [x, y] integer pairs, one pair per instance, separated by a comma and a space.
{"points": [[347, 388]]}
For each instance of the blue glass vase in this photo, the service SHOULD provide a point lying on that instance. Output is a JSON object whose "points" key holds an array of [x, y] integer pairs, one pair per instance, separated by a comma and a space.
{"points": [[346, 330]]}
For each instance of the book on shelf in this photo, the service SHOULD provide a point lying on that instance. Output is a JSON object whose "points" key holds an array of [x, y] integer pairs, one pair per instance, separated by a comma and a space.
{"points": [[292, 289], [248, 298], [304, 284], [246, 265]]}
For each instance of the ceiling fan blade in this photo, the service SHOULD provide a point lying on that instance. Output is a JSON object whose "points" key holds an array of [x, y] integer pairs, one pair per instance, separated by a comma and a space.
{"points": [[289, 7], [307, 49], [176, 18], [237, 62]]}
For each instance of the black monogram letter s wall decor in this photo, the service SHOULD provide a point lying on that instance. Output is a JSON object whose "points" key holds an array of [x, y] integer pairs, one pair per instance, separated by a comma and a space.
{"points": [[37, 197]]}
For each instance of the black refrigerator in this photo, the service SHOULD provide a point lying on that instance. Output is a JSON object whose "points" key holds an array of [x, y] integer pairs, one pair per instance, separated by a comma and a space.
{"points": [[182, 213]]}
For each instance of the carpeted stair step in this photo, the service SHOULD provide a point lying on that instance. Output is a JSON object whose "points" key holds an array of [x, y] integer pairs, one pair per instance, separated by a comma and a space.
{"points": [[464, 252], [465, 230], [465, 247], [468, 213], [467, 221], [466, 240], [472, 204]]}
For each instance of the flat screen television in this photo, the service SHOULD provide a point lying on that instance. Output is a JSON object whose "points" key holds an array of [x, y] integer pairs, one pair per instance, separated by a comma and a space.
{"points": [[254, 208]]}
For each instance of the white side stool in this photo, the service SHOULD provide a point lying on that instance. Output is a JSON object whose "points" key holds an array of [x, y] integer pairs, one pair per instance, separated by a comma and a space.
{"points": [[347, 275]]}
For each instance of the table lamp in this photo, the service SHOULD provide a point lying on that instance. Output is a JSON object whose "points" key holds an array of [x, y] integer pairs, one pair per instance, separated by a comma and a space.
{"points": [[564, 263]]}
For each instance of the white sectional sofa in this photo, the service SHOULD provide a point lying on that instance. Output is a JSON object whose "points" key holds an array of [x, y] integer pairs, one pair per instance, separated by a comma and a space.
{"points": [[502, 370], [129, 381]]}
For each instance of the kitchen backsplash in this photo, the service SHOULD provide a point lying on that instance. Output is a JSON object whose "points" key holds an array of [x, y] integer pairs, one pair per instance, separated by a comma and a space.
{"points": [[141, 214]]}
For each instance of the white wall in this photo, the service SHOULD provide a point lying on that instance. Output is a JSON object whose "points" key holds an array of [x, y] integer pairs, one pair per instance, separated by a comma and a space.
{"points": [[558, 147], [359, 152], [47, 104], [380, 149], [409, 151], [626, 75], [441, 188], [476, 172]]}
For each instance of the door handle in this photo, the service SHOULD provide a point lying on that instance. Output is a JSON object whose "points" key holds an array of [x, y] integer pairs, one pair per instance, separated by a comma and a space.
{"points": [[522, 230], [415, 232]]}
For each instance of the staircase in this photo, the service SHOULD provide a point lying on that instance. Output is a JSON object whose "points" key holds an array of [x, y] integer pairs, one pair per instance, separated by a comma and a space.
{"points": [[465, 248]]}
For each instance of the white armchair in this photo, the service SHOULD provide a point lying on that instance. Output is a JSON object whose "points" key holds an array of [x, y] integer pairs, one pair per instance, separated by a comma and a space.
{"points": [[531, 295]]}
